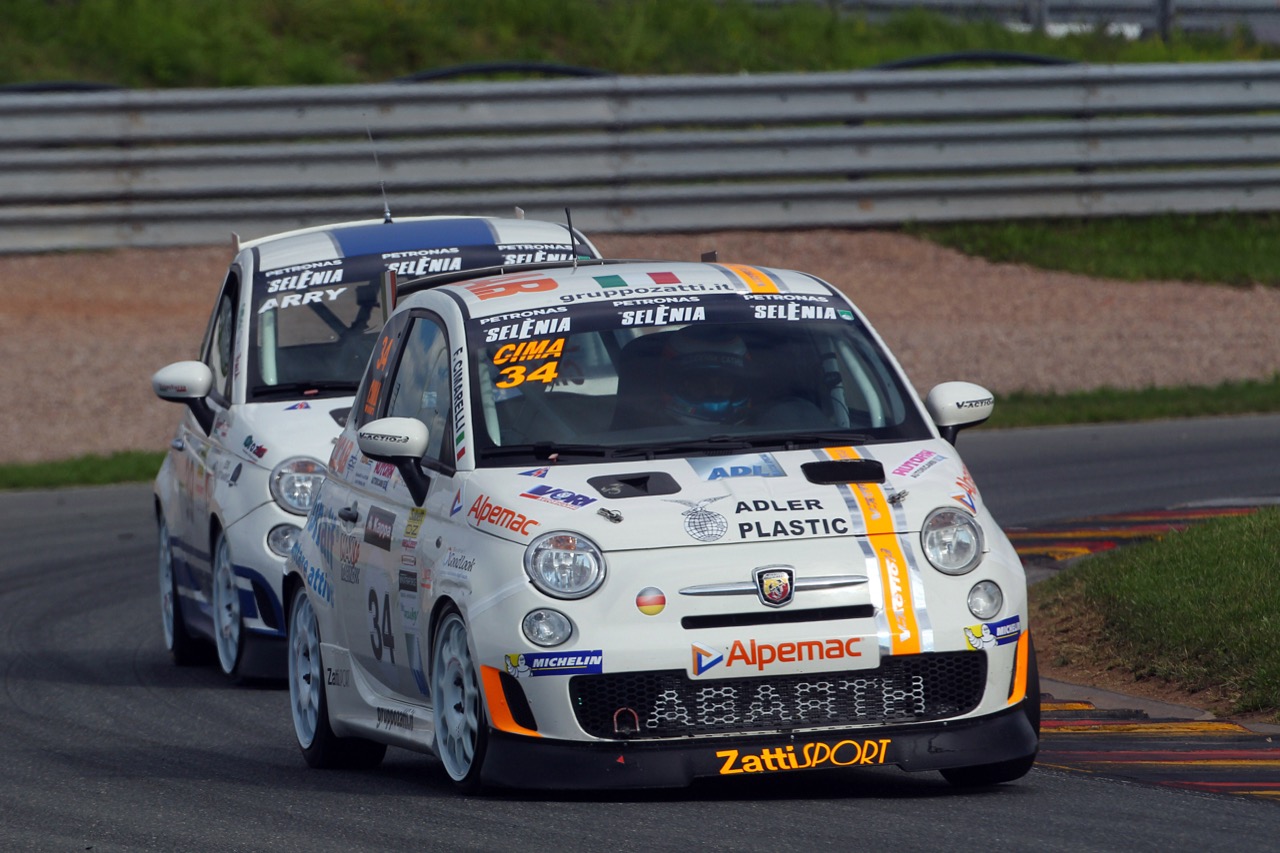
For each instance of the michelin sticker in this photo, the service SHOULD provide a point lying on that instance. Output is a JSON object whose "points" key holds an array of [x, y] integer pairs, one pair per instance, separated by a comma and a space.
{"points": [[532, 664], [991, 634]]}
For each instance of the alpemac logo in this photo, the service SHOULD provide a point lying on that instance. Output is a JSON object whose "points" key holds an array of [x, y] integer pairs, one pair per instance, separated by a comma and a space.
{"points": [[758, 656], [485, 511]]}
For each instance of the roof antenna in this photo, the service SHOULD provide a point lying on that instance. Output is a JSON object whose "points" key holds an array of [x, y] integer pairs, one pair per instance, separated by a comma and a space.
{"points": [[519, 212], [386, 205], [573, 244]]}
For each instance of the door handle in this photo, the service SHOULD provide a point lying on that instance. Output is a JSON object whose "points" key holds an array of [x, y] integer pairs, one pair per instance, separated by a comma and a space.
{"points": [[349, 513]]}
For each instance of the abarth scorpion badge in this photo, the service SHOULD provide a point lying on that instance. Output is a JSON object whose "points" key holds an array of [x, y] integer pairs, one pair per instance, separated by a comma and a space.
{"points": [[776, 585]]}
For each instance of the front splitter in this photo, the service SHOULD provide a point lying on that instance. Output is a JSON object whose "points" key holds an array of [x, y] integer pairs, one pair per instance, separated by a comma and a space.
{"points": [[531, 762]]}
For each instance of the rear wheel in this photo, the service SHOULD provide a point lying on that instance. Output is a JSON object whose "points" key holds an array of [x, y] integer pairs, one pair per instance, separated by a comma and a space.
{"points": [[184, 649], [1006, 771], [307, 703], [462, 731], [228, 620]]}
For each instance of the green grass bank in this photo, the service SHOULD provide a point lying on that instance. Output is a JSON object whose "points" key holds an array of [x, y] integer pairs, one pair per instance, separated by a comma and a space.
{"points": [[1199, 609]]}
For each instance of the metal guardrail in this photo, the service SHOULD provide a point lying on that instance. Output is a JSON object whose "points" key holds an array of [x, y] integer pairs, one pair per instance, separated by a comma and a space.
{"points": [[641, 154], [1150, 16]]}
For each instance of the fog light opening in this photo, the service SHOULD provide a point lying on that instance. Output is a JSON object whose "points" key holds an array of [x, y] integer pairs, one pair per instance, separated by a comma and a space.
{"points": [[547, 628], [985, 599], [281, 538]]}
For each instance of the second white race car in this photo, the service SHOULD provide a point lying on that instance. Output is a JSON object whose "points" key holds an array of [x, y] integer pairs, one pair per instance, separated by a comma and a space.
{"points": [[289, 338]]}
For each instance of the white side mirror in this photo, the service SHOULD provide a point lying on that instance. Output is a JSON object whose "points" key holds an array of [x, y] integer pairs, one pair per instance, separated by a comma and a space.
{"points": [[182, 381], [957, 405], [403, 443], [389, 439]]}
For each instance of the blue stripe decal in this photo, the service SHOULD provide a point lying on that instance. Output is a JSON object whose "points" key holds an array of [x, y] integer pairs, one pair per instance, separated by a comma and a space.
{"points": [[406, 236]]}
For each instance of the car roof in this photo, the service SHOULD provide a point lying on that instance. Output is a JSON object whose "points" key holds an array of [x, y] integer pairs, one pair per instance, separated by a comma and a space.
{"points": [[414, 233], [486, 293]]}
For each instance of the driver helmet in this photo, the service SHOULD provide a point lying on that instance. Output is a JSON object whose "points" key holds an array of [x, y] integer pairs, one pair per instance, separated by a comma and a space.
{"points": [[705, 377]]}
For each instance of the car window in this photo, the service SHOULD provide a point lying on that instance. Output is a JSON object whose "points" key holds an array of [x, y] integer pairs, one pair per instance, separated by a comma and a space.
{"points": [[315, 326], [221, 351], [420, 386], [648, 375], [371, 395]]}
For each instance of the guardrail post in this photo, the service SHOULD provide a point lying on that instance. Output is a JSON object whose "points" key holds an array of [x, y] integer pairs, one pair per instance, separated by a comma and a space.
{"points": [[1038, 14], [1164, 18]]}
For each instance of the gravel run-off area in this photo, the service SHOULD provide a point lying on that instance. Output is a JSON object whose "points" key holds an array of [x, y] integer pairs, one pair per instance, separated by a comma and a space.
{"points": [[82, 332]]}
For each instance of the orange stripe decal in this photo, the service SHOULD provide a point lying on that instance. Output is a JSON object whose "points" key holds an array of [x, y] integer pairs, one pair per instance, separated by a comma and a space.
{"points": [[496, 701], [1019, 691], [904, 630], [895, 585], [753, 278]]}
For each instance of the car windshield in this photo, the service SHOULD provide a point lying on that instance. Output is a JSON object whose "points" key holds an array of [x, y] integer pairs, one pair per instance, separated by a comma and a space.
{"points": [[314, 326], [683, 376]]}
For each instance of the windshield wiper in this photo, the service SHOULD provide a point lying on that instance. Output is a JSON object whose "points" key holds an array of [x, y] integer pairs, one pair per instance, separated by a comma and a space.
{"points": [[548, 449], [299, 389], [823, 439], [713, 443]]}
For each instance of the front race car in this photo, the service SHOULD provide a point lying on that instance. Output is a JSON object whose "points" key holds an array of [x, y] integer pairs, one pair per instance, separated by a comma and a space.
{"points": [[699, 526], [747, 615]]}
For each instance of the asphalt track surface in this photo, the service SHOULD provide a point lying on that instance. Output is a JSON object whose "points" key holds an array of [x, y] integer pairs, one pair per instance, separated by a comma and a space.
{"points": [[106, 746]]}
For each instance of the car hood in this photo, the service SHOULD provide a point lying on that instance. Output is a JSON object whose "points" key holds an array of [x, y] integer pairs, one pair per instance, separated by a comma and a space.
{"points": [[724, 499], [267, 434]]}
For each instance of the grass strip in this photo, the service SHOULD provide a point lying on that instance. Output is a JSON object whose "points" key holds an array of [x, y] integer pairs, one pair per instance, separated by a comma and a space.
{"points": [[1199, 608], [1111, 405], [92, 470], [178, 43], [1240, 249]]}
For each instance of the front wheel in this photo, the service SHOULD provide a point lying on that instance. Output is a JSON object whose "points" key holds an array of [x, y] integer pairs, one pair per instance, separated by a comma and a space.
{"points": [[184, 649], [321, 748], [462, 731], [228, 620]]}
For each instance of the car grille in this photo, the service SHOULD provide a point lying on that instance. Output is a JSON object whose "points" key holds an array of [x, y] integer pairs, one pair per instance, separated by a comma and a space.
{"points": [[904, 689]]}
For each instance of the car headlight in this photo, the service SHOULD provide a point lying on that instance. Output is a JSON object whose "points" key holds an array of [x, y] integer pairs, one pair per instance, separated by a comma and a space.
{"points": [[564, 565], [952, 541], [295, 483]]}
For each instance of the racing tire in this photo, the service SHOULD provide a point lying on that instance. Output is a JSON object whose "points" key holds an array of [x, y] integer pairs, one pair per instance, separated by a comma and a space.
{"points": [[309, 707], [228, 619], [183, 648], [461, 725], [983, 775]]}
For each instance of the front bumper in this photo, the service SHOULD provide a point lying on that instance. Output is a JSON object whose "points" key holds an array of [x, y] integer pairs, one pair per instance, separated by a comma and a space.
{"points": [[519, 761]]}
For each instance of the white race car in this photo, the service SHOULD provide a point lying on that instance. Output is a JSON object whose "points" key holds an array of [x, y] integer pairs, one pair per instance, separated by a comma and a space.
{"points": [[291, 333], [622, 524]]}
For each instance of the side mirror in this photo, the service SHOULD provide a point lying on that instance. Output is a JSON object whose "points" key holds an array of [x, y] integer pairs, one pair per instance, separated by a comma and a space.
{"points": [[187, 382], [958, 405], [401, 442]]}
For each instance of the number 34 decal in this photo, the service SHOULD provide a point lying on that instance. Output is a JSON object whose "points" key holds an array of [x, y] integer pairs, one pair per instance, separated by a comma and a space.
{"points": [[381, 636], [517, 375]]}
